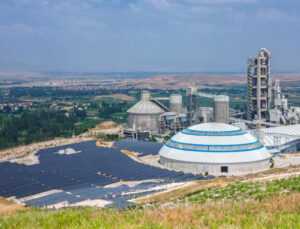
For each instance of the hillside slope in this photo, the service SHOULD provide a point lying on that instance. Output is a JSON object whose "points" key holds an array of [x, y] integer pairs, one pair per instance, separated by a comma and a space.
{"points": [[259, 204]]}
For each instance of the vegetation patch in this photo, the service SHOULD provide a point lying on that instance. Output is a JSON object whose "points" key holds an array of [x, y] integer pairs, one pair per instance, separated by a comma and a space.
{"points": [[241, 191], [273, 212], [35, 126], [116, 96]]}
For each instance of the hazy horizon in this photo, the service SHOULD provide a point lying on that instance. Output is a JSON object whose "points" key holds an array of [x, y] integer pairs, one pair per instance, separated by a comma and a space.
{"points": [[178, 36]]}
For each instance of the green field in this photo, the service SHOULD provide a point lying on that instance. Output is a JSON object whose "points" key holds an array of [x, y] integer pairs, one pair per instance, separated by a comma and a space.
{"points": [[107, 100], [86, 124]]}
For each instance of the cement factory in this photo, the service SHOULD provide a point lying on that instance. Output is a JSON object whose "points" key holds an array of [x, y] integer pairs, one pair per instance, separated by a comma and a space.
{"points": [[173, 141], [268, 127]]}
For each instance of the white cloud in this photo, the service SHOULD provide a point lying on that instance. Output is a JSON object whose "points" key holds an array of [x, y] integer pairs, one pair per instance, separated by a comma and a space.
{"points": [[20, 29], [159, 3], [273, 15], [133, 8], [218, 1], [87, 23]]}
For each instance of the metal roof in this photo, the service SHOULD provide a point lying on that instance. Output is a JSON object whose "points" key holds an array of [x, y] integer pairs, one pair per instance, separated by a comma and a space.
{"points": [[287, 133], [213, 157], [291, 130], [214, 143], [145, 107], [213, 127]]}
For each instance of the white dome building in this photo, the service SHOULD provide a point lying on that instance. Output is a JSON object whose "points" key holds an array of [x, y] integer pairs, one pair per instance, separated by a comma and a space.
{"points": [[216, 148]]}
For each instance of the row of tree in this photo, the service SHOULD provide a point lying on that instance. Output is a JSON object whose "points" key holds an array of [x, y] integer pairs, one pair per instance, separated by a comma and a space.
{"points": [[35, 126]]}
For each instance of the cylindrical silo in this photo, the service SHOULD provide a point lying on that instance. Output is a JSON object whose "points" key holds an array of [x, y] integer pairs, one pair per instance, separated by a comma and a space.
{"points": [[145, 95], [221, 109], [176, 103], [145, 114]]}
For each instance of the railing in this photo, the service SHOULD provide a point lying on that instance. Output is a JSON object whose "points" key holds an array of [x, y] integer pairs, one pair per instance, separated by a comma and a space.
{"points": [[214, 148]]}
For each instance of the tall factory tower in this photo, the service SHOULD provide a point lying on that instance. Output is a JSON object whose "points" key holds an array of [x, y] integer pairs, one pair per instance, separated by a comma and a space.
{"points": [[259, 86]]}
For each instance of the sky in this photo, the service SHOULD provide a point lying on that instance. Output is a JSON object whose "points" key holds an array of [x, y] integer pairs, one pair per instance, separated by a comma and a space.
{"points": [[148, 35]]}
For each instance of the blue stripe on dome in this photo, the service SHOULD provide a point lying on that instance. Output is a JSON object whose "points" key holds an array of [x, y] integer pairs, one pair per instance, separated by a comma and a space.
{"points": [[218, 132], [227, 135], [215, 151], [251, 143]]}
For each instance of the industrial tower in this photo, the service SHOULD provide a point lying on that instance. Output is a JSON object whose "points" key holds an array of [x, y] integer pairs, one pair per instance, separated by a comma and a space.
{"points": [[259, 86]]}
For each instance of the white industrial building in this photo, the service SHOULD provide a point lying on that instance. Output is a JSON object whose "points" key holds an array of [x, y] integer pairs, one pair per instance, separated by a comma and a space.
{"points": [[216, 148], [281, 139]]}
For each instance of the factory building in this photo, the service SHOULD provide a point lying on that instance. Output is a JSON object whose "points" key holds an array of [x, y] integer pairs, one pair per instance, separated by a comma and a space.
{"points": [[220, 107], [281, 139], [145, 114], [154, 117], [171, 122], [150, 116], [265, 102], [280, 112], [216, 148], [259, 86], [205, 114]]}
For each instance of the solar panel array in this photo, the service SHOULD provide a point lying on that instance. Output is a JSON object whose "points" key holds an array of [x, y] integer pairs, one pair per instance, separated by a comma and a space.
{"points": [[114, 194], [88, 170], [145, 148]]}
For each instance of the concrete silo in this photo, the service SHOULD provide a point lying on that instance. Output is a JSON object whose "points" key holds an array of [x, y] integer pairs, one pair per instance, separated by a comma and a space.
{"points": [[221, 109], [145, 114], [176, 103]]}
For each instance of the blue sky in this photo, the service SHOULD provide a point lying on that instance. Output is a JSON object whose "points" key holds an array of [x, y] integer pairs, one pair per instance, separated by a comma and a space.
{"points": [[148, 35]]}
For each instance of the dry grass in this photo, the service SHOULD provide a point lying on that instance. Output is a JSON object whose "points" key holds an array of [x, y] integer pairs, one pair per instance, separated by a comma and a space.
{"points": [[8, 207], [107, 125], [274, 212], [228, 214], [116, 96], [128, 152]]}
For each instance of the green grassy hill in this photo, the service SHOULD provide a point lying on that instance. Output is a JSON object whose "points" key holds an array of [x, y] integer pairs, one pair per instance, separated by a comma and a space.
{"points": [[271, 204]]}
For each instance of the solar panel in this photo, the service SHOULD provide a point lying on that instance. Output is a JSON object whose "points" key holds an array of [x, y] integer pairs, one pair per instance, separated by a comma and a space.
{"points": [[81, 172]]}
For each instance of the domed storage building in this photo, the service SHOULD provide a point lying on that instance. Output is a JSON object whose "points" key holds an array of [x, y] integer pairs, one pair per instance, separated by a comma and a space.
{"points": [[145, 114], [216, 148]]}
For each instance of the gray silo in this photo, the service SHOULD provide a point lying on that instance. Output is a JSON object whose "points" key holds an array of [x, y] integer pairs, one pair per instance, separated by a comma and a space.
{"points": [[176, 103], [145, 114], [221, 109]]}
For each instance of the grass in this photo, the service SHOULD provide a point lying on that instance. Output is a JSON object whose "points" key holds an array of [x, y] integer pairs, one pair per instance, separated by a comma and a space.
{"points": [[119, 117], [86, 124], [273, 212], [241, 191], [92, 112], [108, 99], [270, 204]]}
